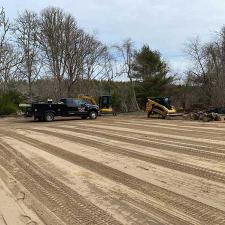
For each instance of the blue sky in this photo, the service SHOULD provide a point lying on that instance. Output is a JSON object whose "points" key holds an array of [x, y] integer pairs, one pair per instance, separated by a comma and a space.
{"points": [[163, 24]]}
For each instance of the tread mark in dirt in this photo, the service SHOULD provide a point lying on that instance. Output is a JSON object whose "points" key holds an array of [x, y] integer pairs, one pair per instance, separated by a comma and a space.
{"points": [[205, 214], [67, 204], [182, 167], [204, 152]]}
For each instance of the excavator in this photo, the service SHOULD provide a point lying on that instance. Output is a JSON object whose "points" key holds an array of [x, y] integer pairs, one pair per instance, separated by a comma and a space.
{"points": [[161, 106], [104, 102]]}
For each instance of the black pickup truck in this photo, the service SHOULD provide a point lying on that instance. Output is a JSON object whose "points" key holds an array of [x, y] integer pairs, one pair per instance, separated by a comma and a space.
{"points": [[65, 107]]}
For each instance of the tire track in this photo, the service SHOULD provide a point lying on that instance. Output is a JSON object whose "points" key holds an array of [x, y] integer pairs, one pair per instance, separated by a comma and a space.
{"points": [[155, 210], [209, 154], [63, 201], [166, 131], [152, 138], [181, 167], [176, 129], [205, 214], [144, 211], [197, 125], [151, 124], [175, 138], [202, 129]]}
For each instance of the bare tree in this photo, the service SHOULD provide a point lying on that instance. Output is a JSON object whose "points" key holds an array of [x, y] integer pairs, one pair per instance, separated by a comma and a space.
{"points": [[126, 56], [196, 52], [9, 67], [208, 71], [109, 67], [76, 52], [83, 58], [53, 43], [73, 59], [95, 61], [215, 58], [110, 70], [95, 58], [9, 59], [4, 30], [27, 30], [70, 52]]}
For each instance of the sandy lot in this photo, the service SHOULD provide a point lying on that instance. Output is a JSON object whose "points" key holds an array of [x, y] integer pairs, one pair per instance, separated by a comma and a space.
{"points": [[114, 170]]}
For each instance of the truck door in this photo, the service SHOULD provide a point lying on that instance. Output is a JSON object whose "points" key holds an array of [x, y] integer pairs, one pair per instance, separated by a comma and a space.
{"points": [[72, 108], [82, 106]]}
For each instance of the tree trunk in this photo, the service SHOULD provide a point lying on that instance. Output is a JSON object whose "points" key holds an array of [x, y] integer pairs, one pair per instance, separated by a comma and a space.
{"points": [[30, 90], [69, 90], [135, 103]]}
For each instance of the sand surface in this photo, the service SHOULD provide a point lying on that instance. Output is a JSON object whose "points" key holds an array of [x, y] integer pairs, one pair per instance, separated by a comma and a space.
{"points": [[114, 170]]}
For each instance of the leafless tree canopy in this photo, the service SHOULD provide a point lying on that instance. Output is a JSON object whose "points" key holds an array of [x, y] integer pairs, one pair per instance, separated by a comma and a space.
{"points": [[208, 71], [26, 29], [52, 40], [126, 52], [9, 59], [71, 54]]}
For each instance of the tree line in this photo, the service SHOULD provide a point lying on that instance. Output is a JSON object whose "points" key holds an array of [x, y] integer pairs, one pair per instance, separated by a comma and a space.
{"points": [[47, 55]]}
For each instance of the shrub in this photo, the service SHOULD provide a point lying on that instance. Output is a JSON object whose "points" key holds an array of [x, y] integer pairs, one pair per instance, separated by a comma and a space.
{"points": [[8, 108], [9, 102]]}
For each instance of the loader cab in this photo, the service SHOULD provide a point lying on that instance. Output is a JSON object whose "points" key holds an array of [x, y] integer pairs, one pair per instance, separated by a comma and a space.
{"points": [[164, 101], [105, 104]]}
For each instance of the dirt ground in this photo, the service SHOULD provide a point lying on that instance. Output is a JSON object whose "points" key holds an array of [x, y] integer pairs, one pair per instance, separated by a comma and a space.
{"points": [[114, 170]]}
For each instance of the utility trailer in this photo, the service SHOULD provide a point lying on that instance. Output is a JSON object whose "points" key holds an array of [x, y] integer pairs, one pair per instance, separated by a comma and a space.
{"points": [[66, 107]]}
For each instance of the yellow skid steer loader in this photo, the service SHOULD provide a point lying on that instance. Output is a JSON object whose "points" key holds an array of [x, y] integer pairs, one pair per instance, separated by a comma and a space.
{"points": [[161, 106]]}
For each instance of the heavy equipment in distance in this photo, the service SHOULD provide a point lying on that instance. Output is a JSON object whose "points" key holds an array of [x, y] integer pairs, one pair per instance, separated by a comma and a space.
{"points": [[104, 103], [161, 107]]}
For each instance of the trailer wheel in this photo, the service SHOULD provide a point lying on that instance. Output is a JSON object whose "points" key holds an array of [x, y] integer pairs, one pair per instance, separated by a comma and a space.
{"points": [[49, 117], [93, 115]]}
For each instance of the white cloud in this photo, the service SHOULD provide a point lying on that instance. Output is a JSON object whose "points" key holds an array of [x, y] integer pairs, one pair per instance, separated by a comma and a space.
{"points": [[163, 24]]}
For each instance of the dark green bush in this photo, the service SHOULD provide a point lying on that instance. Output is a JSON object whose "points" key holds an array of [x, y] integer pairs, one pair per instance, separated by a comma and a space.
{"points": [[9, 102], [8, 109]]}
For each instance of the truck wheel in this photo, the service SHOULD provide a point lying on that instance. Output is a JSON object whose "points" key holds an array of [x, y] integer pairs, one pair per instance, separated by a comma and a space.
{"points": [[49, 117], [93, 115]]}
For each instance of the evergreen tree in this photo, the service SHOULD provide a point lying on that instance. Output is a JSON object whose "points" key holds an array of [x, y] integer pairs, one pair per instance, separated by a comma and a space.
{"points": [[151, 73]]}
